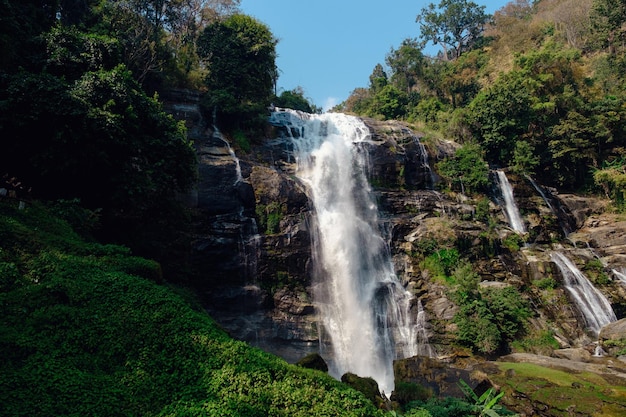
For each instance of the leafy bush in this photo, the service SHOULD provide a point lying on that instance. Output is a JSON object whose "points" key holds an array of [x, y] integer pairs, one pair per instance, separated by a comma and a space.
{"points": [[406, 392], [487, 317], [269, 217], [541, 343], [441, 407], [442, 262], [241, 141]]}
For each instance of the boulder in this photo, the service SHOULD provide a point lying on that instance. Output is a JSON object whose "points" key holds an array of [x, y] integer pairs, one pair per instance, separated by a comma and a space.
{"points": [[612, 337]]}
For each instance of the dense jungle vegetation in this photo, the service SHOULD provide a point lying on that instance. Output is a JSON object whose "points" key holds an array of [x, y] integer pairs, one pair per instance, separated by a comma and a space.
{"points": [[92, 327], [538, 87]]}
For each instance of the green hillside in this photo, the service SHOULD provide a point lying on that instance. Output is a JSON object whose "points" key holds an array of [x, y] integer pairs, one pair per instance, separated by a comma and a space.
{"points": [[86, 331]]}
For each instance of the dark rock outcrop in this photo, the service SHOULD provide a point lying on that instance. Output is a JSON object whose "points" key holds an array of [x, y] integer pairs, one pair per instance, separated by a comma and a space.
{"points": [[252, 246]]}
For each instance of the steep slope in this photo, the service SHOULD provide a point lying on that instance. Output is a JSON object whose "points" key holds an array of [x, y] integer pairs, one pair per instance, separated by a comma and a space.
{"points": [[86, 331]]}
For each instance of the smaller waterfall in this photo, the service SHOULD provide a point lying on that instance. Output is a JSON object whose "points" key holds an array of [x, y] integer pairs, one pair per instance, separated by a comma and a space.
{"points": [[424, 165], [424, 348], [557, 211], [621, 275], [217, 134], [511, 210], [593, 305]]}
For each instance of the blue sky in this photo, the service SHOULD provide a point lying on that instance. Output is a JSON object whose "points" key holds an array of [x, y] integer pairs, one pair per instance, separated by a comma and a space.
{"points": [[330, 47]]}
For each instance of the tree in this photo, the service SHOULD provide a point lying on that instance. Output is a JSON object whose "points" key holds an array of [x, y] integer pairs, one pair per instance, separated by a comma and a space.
{"points": [[500, 115], [524, 158], [456, 25], [607, 20], [294, 99], [389, 102], [239, 54], [406, 65], [378, 78], [466, 170]]}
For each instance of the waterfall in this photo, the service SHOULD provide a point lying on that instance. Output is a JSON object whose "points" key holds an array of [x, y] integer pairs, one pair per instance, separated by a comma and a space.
{"points": [[592, 304], [621, 275], [217, 134], [424, 165], [511, 210], [424, 348], [560, 214], [364, 309]]}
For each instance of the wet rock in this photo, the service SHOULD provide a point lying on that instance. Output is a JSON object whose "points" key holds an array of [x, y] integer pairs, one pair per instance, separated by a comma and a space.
{"points": [[441, 377], [313, 361]]}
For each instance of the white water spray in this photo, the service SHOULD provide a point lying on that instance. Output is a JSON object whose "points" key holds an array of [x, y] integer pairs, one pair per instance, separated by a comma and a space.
{"points": [[364, 309], [511, 210], [593, 305]]}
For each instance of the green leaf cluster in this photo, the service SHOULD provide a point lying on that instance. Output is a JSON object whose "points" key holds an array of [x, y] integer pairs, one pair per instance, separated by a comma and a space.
{"points": [[490, 317], [466, 171]]}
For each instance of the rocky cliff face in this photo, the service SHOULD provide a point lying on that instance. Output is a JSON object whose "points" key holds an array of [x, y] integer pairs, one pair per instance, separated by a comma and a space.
{"points": [[253, 250]]}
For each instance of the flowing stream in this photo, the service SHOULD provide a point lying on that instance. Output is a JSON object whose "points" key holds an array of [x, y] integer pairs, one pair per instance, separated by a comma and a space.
{"points": [[511, 210], [364, 309], [593, 305]]}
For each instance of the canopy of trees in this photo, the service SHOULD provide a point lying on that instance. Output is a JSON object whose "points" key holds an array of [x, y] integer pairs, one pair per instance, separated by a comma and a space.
{"points": [[80, 115], [538, 86], [239, 54]]}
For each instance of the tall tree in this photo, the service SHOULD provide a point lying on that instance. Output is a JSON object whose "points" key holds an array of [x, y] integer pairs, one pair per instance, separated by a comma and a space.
{"points": [[456, 25], [406, 64], [608, 19], [240, 57], [378, 78]]}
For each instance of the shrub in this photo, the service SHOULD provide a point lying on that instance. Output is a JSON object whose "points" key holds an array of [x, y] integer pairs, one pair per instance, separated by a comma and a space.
{"points": [[406, 392]]}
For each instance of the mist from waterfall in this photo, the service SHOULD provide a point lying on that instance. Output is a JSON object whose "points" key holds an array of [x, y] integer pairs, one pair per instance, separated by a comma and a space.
{"points": [[510, 207], [592, 304], [364, 309]]}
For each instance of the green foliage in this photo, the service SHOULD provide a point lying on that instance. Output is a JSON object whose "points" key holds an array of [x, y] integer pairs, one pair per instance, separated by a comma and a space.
{"points": [[106, 144], [269, 217], [442, 262], [456, 25], [612, 178], [294, 99], [467, 171], [513, 242], [487, 317], [428, 109], [389, 103], [440, 407], [482, 209], [407, 392], [81, 336], [524, 159], [241, 141], [619, 344], [540, 343], [487, 403], [594, 269], [500, 115], [407, 64], [239, 53], [547, 283]]}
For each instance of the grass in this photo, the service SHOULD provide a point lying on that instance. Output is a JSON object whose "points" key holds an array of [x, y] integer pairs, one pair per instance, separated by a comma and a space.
{"points": [[87, 330], [562, 393]]}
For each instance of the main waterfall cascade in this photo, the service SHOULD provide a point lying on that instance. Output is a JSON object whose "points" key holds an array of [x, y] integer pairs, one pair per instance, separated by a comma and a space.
{"points": [[364, 309], [511, 210], [592, 304]]}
